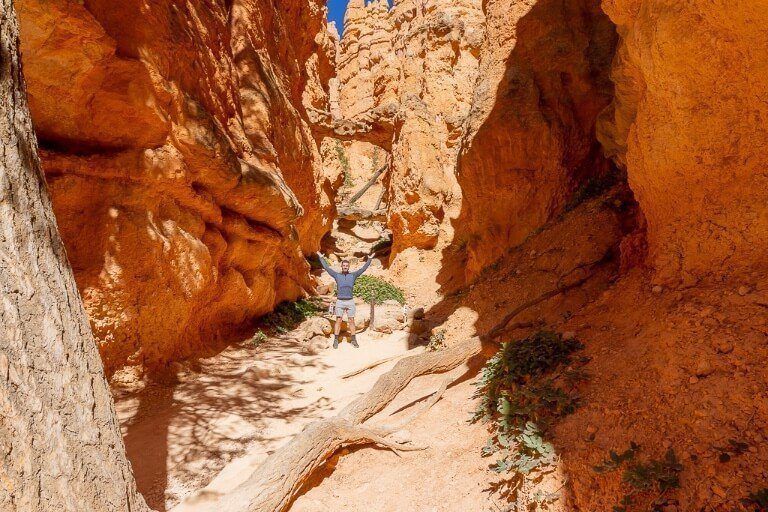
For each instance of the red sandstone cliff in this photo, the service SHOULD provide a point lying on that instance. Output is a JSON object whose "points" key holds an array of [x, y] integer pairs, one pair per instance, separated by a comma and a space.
{"points": [[185, 179]]}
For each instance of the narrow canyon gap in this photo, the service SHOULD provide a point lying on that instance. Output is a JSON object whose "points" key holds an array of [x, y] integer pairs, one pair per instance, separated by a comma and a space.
{"points": [[587, 166]]}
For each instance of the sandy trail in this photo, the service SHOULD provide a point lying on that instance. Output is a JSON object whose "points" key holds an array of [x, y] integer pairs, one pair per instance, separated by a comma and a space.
{"points": [[234, 408]]}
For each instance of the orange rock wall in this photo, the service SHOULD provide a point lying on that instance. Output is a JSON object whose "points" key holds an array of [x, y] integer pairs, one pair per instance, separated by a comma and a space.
{"points": [[495, 105], [689, 124], [415, 64], [185, 179], [530, 140]]}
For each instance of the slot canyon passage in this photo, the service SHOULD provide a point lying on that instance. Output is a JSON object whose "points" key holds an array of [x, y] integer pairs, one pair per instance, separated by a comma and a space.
{"points": [[565, 201]]}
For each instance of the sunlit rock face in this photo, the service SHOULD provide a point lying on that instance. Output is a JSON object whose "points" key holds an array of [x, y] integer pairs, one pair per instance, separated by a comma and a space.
{"points": [[688, 123], [186, 182], [494, 106], [414, 64]]}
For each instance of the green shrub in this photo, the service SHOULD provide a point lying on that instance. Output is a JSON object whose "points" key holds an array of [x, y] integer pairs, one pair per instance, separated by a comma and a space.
{"points": [[258, 338], [657, 476], [375, 291], [288, 315], [522, 390]]}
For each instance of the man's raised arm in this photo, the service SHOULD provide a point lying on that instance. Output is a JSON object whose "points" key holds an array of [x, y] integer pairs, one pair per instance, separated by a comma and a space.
{"points": [[326, 266], [362, 269]]}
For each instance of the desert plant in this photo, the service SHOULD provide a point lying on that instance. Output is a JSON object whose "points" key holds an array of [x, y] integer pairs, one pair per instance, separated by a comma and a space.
{"points": [[258, 338], [375, 291], [288, 315], [615, 460], [657, 475], [757, 501], [436, 341], [522, 390], [734, 449]]}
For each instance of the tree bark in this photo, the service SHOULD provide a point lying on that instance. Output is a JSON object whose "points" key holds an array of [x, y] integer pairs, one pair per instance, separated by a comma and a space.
{"points": [[60, 443]]}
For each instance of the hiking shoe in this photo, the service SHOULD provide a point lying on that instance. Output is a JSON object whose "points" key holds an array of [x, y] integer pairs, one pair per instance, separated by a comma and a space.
{"points": [[335, 342], [354, 343]]}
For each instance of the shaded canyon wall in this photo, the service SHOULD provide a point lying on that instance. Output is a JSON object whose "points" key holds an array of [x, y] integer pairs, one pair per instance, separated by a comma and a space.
{"points": [[185, 179], [493, 108]]}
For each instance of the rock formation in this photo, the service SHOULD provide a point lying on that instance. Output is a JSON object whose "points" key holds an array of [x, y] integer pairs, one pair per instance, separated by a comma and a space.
{"points": [[689, 127], [185, 178], [530, 137], [415, 66], [495, 106]]}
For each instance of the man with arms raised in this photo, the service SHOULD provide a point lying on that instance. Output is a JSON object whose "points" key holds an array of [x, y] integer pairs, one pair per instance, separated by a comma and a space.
{"points": [[345, 303]]}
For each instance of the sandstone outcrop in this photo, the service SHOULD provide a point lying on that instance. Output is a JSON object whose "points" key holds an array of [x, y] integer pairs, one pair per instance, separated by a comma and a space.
{"points": [[413, 66], [495, 109], [530, 140], [185, 178], [688, 124]]}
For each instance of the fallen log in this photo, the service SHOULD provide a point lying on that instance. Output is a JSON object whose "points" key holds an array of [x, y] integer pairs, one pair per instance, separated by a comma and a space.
{"points": [[368, 185], [274, 485], [372, 365]]}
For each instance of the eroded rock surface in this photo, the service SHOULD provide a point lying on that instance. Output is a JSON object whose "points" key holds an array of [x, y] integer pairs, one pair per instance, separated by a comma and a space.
{"points": [[413, 66], [690, 128], [530, 137], [494, 104], [185, 179]]}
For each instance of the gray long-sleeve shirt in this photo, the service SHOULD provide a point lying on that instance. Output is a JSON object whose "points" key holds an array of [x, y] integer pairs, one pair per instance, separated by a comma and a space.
{"points": [[345, 282]]}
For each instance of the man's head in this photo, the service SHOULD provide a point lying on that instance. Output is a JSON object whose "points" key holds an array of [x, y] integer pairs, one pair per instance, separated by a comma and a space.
{"points": [[344, 266]]}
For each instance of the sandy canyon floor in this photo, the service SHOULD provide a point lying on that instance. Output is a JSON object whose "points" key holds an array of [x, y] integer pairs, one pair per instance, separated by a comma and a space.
{"points": [[233, 408]]}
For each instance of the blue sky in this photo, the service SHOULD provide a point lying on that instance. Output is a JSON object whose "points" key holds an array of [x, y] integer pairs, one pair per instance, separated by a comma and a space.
{"points": [[336, 10]]}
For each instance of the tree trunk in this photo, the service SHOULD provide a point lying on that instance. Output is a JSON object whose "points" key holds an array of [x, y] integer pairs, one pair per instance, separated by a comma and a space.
{"points": [[368, 185], [371, 323], [60, 444]]}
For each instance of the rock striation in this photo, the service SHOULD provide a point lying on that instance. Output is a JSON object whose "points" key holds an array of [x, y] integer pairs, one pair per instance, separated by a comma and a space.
{"points": [[185, 178]]}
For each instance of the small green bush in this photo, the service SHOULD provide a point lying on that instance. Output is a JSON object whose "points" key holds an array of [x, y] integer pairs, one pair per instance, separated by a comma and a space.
{"points": [[288, 315], [258, 338], [522, 390], [656, 476], [375, 291]]}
